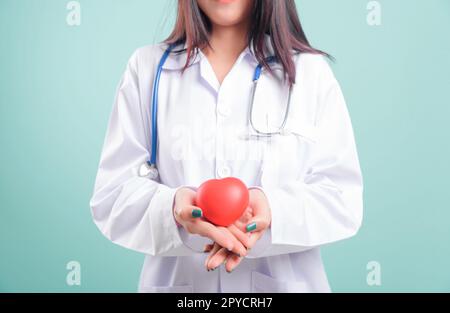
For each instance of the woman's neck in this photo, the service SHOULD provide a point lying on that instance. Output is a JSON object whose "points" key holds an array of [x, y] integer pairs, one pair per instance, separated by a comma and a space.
{"points": [[226, 44], [228, 40]]}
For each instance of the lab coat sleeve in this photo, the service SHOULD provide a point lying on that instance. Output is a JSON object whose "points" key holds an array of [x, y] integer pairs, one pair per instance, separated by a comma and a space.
{"points": [[133, 211], [326, 204]]}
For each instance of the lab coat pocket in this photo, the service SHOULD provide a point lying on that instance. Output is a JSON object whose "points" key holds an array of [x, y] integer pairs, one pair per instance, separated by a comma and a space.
{"points": [[305, 131], [286, 155], [166, 289], [262, 283]]}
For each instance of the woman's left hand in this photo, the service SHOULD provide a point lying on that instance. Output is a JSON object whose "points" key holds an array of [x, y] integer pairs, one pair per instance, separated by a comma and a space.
{"points": [[254, 222]]}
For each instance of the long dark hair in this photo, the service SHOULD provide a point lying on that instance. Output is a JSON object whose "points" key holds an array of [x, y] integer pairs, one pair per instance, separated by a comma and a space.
{"points": [[277, 18]]}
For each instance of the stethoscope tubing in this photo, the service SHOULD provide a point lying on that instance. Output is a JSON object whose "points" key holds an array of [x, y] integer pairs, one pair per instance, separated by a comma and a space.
{"points": [[155, 105], [151, 164]]}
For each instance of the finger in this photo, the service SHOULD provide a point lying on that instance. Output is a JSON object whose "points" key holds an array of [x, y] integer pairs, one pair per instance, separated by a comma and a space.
{"points": [[241, 225], [238, 247], [232, 262], [213, 251], [240, 235], [261, 211], [257, 224], [188, 196], [218, 259], [197, 213], [253, 239], [217, 235], [208, 248], [189, 213], [248, 214]]}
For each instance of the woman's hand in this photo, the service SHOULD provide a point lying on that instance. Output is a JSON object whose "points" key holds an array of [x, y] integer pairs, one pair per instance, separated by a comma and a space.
{"points": [[190, 217], [255, 220]]}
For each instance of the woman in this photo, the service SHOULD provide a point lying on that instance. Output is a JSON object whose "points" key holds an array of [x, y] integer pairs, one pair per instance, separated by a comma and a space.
{"points": [[302, 168]]}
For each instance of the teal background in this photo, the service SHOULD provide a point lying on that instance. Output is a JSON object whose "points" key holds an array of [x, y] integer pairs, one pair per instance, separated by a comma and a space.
{"points": [[57, 85]]}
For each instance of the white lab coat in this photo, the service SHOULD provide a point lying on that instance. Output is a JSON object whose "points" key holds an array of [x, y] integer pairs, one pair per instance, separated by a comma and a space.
{"points": [[311, 176]]}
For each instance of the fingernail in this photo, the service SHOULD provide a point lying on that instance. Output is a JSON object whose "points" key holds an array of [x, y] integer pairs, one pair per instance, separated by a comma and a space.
{"points": [[250, 227], [196, 213]]}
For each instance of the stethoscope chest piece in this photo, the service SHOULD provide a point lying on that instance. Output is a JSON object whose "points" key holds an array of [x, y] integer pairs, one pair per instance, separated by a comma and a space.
{"points": [[148, 170]]}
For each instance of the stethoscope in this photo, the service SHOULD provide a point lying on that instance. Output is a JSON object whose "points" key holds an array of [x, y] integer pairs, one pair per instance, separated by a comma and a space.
{"points": [[148, 168]]}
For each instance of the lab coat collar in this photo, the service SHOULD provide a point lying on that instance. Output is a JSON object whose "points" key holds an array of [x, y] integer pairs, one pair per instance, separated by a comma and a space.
{"points": [[177, 59]]}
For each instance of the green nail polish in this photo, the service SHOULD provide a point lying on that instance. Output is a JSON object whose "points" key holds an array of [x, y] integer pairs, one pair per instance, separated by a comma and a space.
{"points": [[196, 213], [250, 227]]}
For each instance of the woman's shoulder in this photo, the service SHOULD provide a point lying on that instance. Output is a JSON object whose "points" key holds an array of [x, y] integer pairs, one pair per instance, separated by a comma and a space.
{"points": [[148, 53], [312, 61], [314, 65], [149, 56]]}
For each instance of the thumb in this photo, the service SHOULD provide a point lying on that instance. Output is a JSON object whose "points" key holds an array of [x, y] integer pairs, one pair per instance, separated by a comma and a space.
{"points": [[256, 224]]}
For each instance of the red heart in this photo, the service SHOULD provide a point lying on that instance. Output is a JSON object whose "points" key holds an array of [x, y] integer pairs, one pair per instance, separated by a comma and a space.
{"points": [[222, 201]]}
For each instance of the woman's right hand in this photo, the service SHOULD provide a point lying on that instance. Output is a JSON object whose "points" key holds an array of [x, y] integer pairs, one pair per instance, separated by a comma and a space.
{"points": [[190, 217]]}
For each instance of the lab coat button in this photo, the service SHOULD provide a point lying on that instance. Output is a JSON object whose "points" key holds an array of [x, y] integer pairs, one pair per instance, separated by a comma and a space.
{"points": [[223, 172]]}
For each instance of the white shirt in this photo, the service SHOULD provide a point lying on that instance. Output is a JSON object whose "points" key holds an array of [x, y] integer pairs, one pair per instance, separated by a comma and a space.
{"points": [[311, 176]]}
